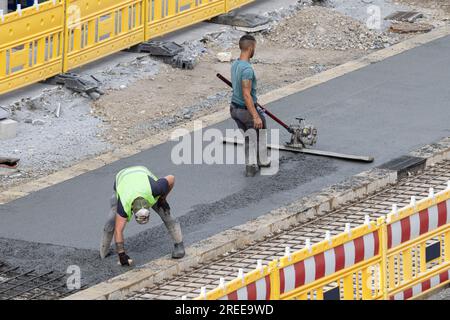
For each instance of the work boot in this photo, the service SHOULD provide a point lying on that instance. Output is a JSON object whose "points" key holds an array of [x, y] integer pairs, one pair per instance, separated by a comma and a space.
{"points": [[263, 153], [264, 164], [178, 250], [251, 170]]}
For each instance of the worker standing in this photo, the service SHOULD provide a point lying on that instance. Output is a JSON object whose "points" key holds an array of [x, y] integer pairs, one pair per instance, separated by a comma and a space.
{"points": [[244, 111], [136, 190]]}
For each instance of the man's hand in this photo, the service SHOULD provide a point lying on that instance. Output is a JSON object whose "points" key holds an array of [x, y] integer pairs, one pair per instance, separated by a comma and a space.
{"points": [[257, 122], [124, 259]]}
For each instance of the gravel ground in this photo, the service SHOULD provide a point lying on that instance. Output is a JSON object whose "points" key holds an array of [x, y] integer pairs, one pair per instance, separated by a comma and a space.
{"points": [[46, 141], [322, 28]]}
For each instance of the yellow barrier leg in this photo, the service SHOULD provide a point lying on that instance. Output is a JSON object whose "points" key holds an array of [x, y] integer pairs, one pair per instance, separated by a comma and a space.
{"points": [[387, 265], [447, 246], [348, 287], [274, 281], [407, 265]]}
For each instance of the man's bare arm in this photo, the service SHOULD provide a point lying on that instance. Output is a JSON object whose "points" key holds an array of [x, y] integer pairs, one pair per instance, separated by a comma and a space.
{"points": [[247, 93], [118, 233]]}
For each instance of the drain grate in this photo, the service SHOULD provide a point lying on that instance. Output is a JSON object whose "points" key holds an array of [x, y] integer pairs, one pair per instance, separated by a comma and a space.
{"points": [[31, 285], [405, 16], [405, 165]]}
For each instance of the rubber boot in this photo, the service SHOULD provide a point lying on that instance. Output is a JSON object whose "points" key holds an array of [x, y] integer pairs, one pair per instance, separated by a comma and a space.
{"points": [[108, 229], [178, 251], [251, 162], [174, 229], [263, 153], [251, 170]]}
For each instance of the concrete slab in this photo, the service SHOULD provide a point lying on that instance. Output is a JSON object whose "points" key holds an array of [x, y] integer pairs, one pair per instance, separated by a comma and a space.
{"points": [[8, 129], [386, 109]]}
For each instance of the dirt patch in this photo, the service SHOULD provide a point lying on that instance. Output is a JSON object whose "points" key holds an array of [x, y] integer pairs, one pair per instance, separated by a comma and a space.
{"points": [[323, 28]]}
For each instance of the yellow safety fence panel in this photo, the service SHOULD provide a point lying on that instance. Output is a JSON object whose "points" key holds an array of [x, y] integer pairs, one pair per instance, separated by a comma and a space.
{"points": [[31, 45], [98, 28], [401, 257], [233, 4], [255, 285], [348, 266], [418, 242], [165, 16], [56, 36]]}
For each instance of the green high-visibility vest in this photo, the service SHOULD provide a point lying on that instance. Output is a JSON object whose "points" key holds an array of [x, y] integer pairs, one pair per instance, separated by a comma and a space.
{"points": [[132, 183]]}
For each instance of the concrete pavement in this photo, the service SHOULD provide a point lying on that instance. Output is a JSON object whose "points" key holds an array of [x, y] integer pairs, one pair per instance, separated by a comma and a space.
{"points": [[386, 110]]}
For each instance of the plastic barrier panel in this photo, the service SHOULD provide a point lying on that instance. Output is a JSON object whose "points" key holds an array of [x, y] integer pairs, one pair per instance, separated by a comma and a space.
{"points": [[401, 257], [169, 15], [98, 28], [31, 45], [418, 242], [255, 285], [347, 266], [233, 4], [41, 41]]}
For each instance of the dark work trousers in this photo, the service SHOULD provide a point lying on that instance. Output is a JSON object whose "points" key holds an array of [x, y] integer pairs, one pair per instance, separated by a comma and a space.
{"points": [[255, 149]]}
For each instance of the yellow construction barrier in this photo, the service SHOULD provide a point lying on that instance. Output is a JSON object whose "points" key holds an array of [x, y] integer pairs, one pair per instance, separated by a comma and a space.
{"points": [[98, 28], [165, 16], [418, 242], [31, 45], [348, 266], [255, 285], [233, 4], [59, 35], [401, 257]]}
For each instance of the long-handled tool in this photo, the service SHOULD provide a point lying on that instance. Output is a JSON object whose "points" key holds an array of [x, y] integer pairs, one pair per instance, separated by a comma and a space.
{"points": [[302, 135]]}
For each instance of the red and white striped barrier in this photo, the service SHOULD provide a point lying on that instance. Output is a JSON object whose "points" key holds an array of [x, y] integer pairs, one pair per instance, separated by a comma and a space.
{"points": [[419, 223], [329, 262], [259, 290], [422, 287]]}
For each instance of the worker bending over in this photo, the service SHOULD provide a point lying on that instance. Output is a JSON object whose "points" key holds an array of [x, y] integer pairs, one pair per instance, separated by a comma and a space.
{"points": [[243, 108], [136, 190]]}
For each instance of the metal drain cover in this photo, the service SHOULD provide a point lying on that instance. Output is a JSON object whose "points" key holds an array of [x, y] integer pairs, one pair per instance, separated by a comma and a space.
{"points": [[404, 165]]}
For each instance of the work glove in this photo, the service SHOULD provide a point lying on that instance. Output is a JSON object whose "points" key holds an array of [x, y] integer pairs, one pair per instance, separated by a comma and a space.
{"points": [[124, 259]]}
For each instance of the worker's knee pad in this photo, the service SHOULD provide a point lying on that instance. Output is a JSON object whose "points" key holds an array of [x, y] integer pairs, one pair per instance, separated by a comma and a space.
{"points": [[175, 231]]}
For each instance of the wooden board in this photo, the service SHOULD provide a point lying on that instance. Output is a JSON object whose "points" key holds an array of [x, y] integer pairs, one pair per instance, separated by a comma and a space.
{"points": [[309, 151]]}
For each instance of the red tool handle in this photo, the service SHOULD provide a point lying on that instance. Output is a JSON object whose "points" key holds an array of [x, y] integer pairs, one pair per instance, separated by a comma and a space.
{"points": [[270, 114]]}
